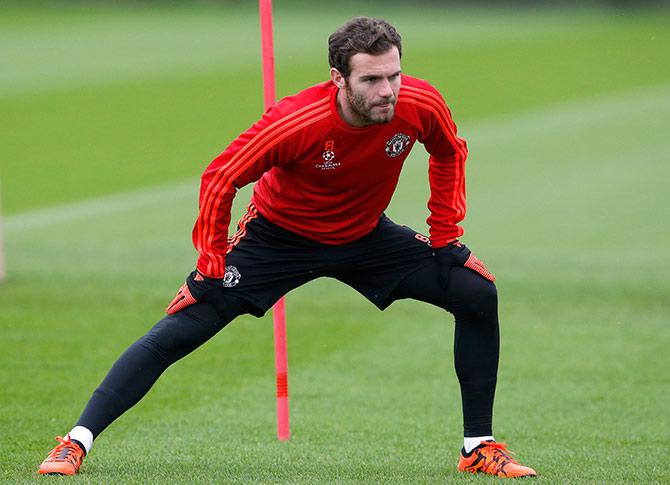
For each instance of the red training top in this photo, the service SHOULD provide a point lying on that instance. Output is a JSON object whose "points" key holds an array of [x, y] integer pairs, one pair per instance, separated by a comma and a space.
{"points": [[328, 181]]}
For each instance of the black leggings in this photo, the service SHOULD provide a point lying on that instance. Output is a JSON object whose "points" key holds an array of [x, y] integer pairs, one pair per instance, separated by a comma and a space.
{"points": [[471, 299]]}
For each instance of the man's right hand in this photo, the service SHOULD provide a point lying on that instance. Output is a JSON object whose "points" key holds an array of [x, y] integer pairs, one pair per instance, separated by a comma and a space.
{"points": [[197, 288]]}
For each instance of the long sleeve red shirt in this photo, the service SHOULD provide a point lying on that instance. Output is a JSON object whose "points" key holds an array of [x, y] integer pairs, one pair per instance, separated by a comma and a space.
{"points": [[321, 178]]}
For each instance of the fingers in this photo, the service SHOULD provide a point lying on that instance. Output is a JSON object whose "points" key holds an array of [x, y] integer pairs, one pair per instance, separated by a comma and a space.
{"points": [[476, 265], [181, 300]]}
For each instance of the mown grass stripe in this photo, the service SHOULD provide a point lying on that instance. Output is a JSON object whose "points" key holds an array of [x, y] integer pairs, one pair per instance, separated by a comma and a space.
{"points": [[98, 206], [583, 112]]}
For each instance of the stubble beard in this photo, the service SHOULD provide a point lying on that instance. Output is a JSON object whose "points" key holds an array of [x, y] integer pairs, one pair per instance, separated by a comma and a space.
{"points": [[363, 112]]}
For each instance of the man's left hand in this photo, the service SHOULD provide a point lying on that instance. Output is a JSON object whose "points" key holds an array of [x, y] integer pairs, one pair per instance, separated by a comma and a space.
{"points": [[457, 254]]}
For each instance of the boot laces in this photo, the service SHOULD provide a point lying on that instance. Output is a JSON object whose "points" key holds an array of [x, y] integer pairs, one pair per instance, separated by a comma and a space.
{"points": [[497, 456], [66, 451]]}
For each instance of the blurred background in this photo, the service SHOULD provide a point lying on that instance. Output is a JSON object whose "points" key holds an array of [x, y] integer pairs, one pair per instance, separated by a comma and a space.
{"points": [[110, 112]]}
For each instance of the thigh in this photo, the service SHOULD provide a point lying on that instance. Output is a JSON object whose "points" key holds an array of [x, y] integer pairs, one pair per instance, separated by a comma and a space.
{"points": [[264, 262], [378, 262], [174, 336], [467, 294]]}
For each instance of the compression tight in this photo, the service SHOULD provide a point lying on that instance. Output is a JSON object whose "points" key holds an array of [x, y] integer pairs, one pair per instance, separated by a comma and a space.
{"points": [[474, 303], [471, 299], [138, 368]]}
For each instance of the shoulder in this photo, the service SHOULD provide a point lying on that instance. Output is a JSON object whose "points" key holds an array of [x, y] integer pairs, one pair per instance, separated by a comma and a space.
{"points": [[421, 101], [286, 123], [309, 103], [419, 92]]}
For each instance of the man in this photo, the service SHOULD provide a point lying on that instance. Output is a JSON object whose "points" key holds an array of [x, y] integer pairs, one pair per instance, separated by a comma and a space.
{"points": [[326, 162]]}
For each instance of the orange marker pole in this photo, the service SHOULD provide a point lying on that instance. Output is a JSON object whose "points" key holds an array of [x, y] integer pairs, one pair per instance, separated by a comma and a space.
{"points": [[281, 364], [279, 309]]}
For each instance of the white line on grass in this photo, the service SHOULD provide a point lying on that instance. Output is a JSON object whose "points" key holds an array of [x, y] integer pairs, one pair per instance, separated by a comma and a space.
{"points": [[95, 207], [575, 112], [578, 112]]}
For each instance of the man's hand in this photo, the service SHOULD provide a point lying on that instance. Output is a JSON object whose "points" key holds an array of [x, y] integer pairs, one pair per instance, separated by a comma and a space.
{"points": [[197, 288], [457, 254]]}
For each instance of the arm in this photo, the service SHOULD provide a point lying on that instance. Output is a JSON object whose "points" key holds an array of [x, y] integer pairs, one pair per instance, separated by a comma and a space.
{"points": [[246, 159], [446, 169], [447, 198], [243, 162], [446, 174]]}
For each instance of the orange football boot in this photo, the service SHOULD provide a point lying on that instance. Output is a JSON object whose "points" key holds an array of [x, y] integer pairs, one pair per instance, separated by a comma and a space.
{"points": [[493, 458], [64, 459]]}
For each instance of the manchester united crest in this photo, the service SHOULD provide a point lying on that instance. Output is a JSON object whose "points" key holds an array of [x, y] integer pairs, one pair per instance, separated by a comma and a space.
{"points": [[397, 144], [232, 277]]}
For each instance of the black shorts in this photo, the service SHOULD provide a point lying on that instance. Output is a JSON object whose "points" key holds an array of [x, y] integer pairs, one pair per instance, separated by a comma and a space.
{"points": [[264, 261]]}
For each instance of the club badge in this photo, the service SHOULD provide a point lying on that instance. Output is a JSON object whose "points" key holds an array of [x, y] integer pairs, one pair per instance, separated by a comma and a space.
{"points": [[397, 145], [232, 277]]}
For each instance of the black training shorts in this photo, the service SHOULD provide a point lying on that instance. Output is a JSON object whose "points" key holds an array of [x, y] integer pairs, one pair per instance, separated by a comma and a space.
{"points": [[264, 261]]}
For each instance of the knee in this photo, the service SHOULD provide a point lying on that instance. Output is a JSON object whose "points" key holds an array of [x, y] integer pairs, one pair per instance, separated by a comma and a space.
{"points": [[481, 303], [472, 296]]}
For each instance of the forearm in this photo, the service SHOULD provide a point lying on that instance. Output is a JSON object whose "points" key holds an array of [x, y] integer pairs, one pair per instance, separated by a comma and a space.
{"points": [[447, 203]]}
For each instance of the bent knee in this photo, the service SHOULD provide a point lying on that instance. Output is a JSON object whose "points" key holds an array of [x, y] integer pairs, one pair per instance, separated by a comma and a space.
{"points": [[472, 296]]}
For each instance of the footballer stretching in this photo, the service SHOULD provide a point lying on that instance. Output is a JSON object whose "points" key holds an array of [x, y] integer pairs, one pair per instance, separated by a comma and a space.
{"points": [[325, 163]]}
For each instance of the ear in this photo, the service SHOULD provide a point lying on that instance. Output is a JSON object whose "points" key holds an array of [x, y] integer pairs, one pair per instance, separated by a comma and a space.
{"points": [[337, 78]]}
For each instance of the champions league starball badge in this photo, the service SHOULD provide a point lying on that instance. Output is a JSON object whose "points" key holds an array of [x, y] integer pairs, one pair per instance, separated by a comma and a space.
{"points": [[397, 144]]}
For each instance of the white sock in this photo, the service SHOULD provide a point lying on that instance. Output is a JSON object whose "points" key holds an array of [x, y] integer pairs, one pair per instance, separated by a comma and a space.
{"points": [[83, 435], [471, 443]]}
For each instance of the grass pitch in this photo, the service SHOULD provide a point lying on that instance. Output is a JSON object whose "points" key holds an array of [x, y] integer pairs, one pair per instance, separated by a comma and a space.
{"points": [[111, 114]]}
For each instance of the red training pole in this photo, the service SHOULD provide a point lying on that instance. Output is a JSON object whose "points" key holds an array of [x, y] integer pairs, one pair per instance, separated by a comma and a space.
{"points": [[265, 8], [281, 364], [279, 309]]}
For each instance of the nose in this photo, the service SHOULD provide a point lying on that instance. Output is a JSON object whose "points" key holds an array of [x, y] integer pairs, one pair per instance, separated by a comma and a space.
{"points": [[386, 91]]}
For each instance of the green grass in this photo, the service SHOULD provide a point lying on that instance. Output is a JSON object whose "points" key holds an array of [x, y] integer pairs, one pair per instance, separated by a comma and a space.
{"points": [[107, 98], [566, 117]]}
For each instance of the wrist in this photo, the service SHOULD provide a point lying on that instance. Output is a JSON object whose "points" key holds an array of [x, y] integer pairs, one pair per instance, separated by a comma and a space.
{"points": [[198, 275]]}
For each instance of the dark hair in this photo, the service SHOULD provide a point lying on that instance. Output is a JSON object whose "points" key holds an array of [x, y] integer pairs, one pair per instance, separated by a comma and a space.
{"points": [[360, 35]]}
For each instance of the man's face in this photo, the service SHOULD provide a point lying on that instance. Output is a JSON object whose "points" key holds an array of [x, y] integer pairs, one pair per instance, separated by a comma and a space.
{"points": [[371, 91]]}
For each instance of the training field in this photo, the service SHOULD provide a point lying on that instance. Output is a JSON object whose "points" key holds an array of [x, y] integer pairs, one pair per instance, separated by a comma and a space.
{"points": [[110, 113]]}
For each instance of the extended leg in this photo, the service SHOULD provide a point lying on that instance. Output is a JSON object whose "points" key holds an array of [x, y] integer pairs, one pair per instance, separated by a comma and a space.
{"points": [[138, 368]]}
